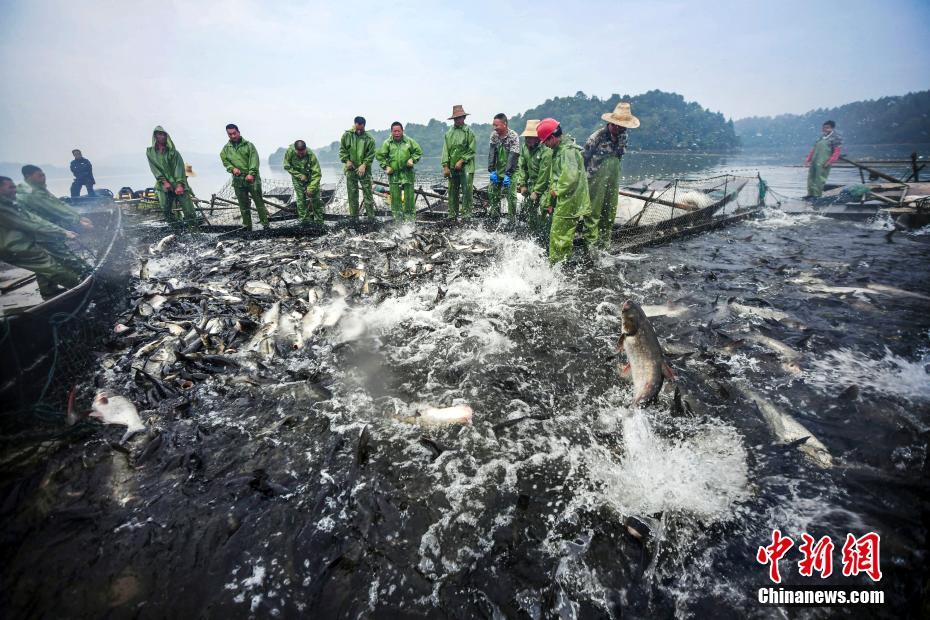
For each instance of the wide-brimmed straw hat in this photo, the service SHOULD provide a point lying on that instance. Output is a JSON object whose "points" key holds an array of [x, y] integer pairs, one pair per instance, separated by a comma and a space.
{"points": [[457, 111], [189, 171], [622, 116], [530, 131]]}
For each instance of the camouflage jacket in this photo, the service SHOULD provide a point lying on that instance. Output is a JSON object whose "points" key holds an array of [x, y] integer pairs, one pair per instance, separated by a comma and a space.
{"points": [[599, 147]]}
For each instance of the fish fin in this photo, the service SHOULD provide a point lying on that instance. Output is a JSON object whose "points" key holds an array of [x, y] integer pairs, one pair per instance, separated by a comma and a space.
{"points": [[667, 371], [626, 371]]}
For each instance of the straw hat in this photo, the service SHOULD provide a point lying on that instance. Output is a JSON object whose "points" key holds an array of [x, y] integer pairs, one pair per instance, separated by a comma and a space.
{"points": [[457, 110], [622, 116], [530, 131], [189, 171]]}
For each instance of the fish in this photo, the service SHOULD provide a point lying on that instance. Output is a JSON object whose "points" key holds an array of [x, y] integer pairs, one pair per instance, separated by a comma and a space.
{"points": [[258, 289], [669, 310], [160, 247], [440, 416], [787, 429], [791, 357], [112, 408], [263, 340], [645, 361]]}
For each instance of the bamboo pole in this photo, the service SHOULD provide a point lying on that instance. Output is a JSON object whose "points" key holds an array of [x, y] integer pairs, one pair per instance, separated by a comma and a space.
{"points": [[871, 171]]}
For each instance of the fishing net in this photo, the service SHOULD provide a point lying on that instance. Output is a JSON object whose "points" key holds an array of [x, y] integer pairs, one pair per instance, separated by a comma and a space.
{"points": [[49, 348], [659, 210]]}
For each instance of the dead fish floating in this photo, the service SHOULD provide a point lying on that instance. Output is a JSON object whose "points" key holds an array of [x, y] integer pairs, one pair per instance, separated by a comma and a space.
{"points": [[112, 408]]}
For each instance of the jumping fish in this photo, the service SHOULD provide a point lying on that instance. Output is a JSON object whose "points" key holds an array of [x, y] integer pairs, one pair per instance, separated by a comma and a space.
{"points": [[160, 247], [645, 362], [440, 416]]}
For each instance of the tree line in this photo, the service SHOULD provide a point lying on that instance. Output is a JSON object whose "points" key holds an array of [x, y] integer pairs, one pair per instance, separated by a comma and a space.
{"points": [[888, 120], [668, 122]]}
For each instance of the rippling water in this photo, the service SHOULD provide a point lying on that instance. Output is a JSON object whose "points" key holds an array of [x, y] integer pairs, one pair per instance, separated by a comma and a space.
{"points": [[358, 513]]}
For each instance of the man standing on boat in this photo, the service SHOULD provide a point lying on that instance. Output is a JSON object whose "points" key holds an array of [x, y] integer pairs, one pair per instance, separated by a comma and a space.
{"points": [[240, 159], [824, 154], [532, 178], [83, 172], [503, 155], [397, 156], [357, 152], [21, 235], [603, 153], [303, 166], [167, 165], [458, 163], [569, 201]]}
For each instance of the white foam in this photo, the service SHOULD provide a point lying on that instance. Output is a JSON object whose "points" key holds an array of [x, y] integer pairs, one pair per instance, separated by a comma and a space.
{"points": [[890, 374]]}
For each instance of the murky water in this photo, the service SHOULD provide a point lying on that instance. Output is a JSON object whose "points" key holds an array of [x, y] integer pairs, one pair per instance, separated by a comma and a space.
{"points": [[257, 501]]}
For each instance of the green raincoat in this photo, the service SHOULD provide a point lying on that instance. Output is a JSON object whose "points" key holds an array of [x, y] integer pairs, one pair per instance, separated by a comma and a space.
{"points": [[38, 200], [306, 175], [572, 202], [533, 174], [168, 165], [359, 149], [819, 168], [394, 154], [603, 154], [242, 155], [503, 156], [458, 144], [23, 239]]}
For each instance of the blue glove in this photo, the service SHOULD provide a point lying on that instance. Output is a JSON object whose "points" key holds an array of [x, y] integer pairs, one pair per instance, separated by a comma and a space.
{"points": [[494, 177], [506, 180]]}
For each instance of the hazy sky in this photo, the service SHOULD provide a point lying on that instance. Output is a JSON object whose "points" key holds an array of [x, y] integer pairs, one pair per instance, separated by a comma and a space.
{"points": [[101, 74]]}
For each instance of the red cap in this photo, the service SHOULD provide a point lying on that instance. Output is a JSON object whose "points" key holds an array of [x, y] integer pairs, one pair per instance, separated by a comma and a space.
{"points": [[545, 128]]}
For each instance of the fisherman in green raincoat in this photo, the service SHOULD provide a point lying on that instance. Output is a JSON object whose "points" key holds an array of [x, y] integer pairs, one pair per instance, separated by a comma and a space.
{"points": [[568, 192], [603, 153], [171, 185], [20, 234], [503, 155], [303, 166], [458, 163], [33, 196], [240, 159], [357, 152], [826, 151], [397, 156], [532, 178]]}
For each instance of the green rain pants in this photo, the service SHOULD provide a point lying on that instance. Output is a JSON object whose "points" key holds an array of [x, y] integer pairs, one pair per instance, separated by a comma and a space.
{"points": [[603, 188], [818, 171], [243, 193], [562, 235], [353, 182], [496, 191], [460, 192], [169, 201], [315, 212], [50, 271], [403, 208]]}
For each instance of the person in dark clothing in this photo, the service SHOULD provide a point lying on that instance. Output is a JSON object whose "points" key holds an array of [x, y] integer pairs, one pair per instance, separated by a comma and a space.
{"points": [[83, 173]]}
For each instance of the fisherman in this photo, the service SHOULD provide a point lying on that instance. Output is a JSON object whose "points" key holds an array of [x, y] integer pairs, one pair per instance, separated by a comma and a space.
{"points": [[532, 178], [569, 201], [240, 159], [503, 154], [603, 153], [458, 163], [824, 154], [397, 156], [83, 172], [33, 195], [20, 233], [167, 165], [304, 167], [357, 152]]}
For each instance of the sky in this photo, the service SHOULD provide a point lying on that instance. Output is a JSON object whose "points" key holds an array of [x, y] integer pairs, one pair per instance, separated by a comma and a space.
{"points": [[101, 74]]}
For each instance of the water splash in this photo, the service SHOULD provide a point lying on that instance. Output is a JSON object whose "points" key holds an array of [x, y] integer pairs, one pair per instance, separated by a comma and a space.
{"points": [[891, 374]]}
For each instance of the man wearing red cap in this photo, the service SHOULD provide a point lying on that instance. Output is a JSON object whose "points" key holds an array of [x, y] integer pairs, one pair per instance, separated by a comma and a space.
{"points": [[568, 190]]}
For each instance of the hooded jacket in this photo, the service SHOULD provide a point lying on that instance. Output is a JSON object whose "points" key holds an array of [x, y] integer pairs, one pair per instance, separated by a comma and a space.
{"points": [[167, 165]]}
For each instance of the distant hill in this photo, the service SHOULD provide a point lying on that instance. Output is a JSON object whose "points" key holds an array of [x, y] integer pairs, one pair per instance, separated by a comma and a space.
{"points": [[668, 122], [889, 120]]}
